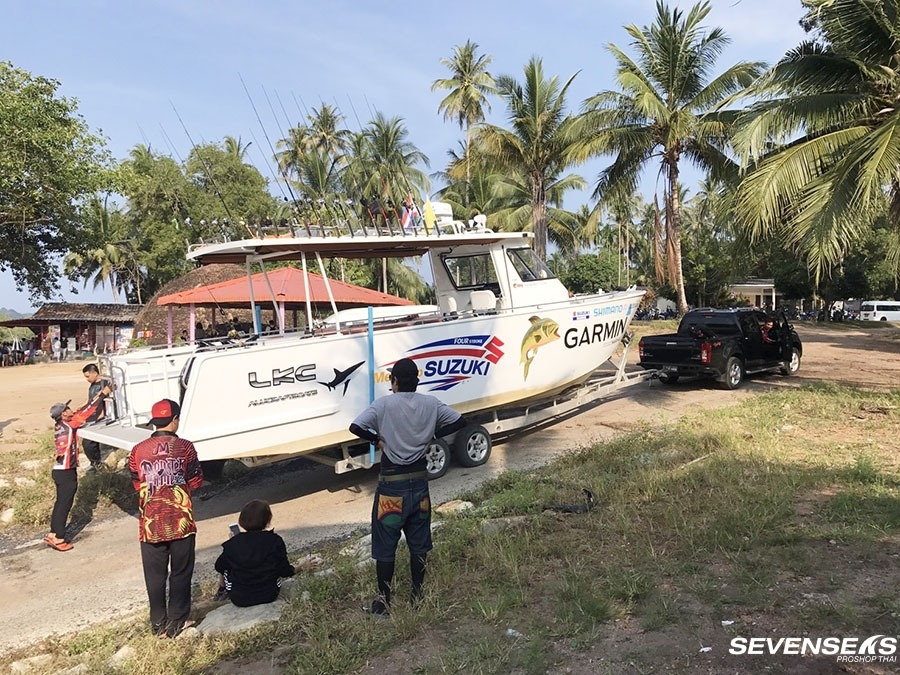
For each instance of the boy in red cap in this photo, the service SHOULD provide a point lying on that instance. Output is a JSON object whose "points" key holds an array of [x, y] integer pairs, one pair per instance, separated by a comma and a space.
{"points": [[165, 470], [65, 468]]}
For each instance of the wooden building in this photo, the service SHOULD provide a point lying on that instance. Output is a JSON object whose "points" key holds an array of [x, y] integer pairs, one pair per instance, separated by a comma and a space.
{"points": [[88, 327]]}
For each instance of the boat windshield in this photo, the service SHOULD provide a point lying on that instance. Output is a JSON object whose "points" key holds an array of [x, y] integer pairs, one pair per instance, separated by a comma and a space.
{"points": [[470, 271], [528, 266]]}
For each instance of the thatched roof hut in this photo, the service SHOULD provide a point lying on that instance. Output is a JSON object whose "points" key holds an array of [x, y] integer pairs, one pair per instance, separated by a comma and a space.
{"points": [[153, 318]]}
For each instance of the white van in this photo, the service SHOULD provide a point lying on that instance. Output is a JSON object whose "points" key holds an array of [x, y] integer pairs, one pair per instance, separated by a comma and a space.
{"points": [[880, 310]]}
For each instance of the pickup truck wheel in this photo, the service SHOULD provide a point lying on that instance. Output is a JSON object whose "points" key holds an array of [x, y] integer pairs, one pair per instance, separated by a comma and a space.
{"points": [[472, 445], [793, 365], [437, 457], [734, 373]]}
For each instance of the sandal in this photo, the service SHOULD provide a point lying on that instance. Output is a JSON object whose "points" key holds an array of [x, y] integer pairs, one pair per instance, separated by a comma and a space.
{"points": [[175, 631], [58, 544]]}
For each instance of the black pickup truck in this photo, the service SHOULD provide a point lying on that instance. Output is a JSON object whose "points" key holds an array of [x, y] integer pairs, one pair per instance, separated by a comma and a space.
{"points": [[724, 344]]}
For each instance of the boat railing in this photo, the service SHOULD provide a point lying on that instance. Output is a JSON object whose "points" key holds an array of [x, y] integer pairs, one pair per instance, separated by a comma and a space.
{"points": [[141, 379], [344, 228]]}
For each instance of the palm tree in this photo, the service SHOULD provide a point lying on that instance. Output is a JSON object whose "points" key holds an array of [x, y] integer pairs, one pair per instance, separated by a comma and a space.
{"points": [[540, 142], [391, 159], [103, 260], [823, 145], [325, 133], [505, 194], [669, 108], [291, 150], [469, 85], [236, 148], [321, 134]]}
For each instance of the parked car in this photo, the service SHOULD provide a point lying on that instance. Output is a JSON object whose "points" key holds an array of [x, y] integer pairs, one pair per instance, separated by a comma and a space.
{"points": [[724, 345]]}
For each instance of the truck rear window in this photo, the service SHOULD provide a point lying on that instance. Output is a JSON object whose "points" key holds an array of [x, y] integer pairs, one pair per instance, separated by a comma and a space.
{"points": [[721, 328]]}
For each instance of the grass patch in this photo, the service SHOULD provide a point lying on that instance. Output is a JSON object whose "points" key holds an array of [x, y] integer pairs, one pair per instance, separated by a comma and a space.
{"points": [[781, 514], [30, 490]]}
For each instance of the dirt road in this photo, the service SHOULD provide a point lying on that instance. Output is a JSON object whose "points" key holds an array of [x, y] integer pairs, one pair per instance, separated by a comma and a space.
{"points": [[47, 592]]}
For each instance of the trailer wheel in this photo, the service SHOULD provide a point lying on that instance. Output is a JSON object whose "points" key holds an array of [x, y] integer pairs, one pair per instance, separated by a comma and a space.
{"points": [[437, 456], [734, 373], [472, 445], [793, 365]]}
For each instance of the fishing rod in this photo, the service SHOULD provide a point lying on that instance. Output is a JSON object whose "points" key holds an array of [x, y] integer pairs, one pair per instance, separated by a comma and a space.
{"points": [[345, 213], [266, 162], [304, 114], [390, 204], [271, 147], [206, 167], [404, 179], [333, 215], [362, 200], [319, 205], [178, 215]]}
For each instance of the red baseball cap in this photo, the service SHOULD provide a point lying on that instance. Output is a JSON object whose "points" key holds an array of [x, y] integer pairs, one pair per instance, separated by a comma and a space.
{"points": [[164, 412]]}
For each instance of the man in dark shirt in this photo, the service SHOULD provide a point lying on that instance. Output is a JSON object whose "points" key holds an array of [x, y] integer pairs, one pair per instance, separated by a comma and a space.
{"points": [[402, 425], [96, 384]]}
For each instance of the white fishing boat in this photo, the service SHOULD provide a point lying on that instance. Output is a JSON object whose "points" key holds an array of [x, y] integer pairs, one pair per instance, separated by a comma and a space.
{"points": [[504, 331]]}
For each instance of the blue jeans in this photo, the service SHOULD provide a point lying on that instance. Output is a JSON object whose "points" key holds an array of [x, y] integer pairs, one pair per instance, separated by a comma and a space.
{"points": [[401, 506]]}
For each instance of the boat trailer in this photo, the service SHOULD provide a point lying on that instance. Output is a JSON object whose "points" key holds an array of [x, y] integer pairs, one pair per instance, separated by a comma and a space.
{"points": [[503, 421]]}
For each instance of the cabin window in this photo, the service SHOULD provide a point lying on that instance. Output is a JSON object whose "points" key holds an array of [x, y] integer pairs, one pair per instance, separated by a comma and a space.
{"points": [[527, 265], [471, 271]]}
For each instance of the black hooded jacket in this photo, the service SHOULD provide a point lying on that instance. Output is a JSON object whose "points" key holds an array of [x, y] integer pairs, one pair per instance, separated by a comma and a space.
{"points": [[252, 563]]}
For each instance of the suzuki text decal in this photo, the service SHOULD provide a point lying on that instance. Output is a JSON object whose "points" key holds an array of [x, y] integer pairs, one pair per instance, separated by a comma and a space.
{"points": [[446, 363]]}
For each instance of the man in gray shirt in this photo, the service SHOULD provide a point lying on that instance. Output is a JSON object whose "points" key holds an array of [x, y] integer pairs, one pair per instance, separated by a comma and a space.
{"points": [[402, 425]]}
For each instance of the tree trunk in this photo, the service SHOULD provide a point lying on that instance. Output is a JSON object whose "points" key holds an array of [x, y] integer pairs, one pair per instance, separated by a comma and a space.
{"points": [[468, 175], [673, 232], [137, 283], [539, 217], [659, 250]]}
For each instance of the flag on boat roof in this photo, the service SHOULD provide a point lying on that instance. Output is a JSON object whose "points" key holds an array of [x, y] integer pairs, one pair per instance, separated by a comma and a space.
{"points": [[411, 218], [429, 217]]}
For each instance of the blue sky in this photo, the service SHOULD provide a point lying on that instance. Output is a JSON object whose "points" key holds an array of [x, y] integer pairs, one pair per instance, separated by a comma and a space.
{"points": [[133, 65]]}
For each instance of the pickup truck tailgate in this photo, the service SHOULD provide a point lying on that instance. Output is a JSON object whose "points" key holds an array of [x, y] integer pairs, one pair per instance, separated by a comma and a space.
{"points": [[669, 349]]}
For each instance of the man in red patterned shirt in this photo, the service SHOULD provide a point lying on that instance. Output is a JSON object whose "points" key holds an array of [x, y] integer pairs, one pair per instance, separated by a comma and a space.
{"points": [[65, 467], [165, 470]]}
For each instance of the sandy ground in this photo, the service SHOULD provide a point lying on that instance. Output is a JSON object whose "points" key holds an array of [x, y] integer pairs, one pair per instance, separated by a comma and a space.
{"points": [[45, 592]]}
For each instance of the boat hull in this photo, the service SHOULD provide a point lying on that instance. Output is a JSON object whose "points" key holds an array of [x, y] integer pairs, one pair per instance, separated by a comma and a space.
{"points": [[289, 395]]}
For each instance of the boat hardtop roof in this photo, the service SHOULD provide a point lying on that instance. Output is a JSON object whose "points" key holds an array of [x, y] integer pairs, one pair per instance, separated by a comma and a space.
{"points": [[383, 246]]}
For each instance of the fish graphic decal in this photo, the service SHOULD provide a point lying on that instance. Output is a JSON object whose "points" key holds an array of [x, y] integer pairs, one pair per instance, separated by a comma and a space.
{"points": [[542, 332], [341, 377]]}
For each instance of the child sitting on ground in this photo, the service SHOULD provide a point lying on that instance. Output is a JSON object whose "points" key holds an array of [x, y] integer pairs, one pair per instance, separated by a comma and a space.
{"points": [[254, 561]]}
